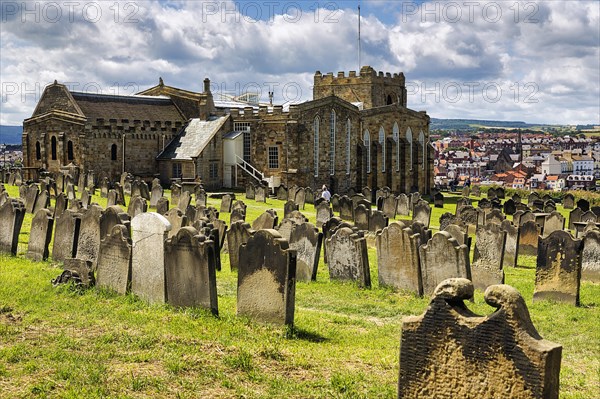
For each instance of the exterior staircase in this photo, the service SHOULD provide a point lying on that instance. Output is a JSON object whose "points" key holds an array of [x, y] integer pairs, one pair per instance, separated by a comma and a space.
{"points": [[272, 182]]}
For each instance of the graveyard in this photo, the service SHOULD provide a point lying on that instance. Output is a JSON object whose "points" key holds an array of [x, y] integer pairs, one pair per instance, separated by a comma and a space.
{"points": [[342, 338]]}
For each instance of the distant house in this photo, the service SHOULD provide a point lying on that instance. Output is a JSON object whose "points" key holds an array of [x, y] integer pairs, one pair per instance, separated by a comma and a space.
{"points": [[551, 166]]}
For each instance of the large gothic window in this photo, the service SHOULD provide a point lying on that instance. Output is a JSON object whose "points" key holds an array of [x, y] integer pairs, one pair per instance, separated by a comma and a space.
{"points": [[316, 145], [410, 146], [38, 150], [70, 154], [53, 148], [113, 152], [367, 143], [396, 136], [382, 143], [348, 148], [332, 143]]}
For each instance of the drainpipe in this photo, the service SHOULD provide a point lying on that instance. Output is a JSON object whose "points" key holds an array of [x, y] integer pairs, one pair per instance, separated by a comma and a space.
{"points": [[123, 152]]}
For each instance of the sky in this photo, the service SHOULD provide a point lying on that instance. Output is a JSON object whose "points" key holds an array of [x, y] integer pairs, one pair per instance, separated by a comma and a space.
{"points": [[537, 62]]}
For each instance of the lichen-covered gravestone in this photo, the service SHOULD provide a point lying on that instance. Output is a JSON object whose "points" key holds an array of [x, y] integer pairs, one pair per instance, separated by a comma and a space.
{"points": [[441, 258], [558, 268], [66, 236], [362, 215], [528, 238], [324, 213], [306, 240], [449, 352], [88, 240], [422, 212], [347, 257], [149, 232], [554, 221], [260, 194], [250, 191], [511, 249], [398, 258], [238, 234], [488, 257], [157, 193], [12, 213], [267, 279], [40, 235], [402, 205], [190, 270], [267, 220], [590, 257], [377, 221], [114, 260]]}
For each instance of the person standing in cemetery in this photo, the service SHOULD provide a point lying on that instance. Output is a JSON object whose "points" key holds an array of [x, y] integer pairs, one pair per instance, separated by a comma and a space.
{"points": [[325, 194]]}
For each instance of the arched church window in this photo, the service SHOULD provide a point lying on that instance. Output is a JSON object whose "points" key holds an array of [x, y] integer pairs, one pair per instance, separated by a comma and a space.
{"points": [[70, 154], [113, 152], [53, 148], [38, 150], [367, 144], [316, 145]]}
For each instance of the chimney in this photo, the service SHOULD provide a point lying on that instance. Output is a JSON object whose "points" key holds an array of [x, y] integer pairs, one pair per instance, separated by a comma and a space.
{"points": [[207, 85]]}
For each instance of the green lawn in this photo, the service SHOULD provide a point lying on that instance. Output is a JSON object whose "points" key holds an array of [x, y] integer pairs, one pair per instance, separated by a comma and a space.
{"points": [[66, 343]]}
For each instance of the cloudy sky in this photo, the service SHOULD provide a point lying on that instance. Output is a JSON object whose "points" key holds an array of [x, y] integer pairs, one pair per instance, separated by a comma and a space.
{"points": [[531, 61]]}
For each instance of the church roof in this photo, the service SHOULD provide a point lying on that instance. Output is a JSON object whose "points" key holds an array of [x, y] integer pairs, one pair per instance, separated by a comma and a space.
{"points": [[192, 139], [104, 106]]}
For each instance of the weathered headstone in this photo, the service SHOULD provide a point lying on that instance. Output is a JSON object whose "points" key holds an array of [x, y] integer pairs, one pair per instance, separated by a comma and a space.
{"points": [[335, 202], [441, 258], [509, 207], [200, 196], [449, 352], [267, 220], [300, 197], [237, 215], [422, 212], [528, 238], [226, 202], [157, 193], [309, 195], [31, 197], [306, 240], [149, 232], [285, 228], [476, 191], [346, 208], [377, 221], [114, 261], [558, 268], [267, 279], [574, 216], [40, 235], [398, 258], [488, 258], [177, 220], [138, 205], [554, 221], [261, 193], [402, 205], [438, 200], [184, 200], [583, 204], [569, 201], [190, 270], [289, 207], [324, 213], [112, 198], [112, 216], [494, 216], [362, 216], [282, 193], [66, 236], [175, 193], [347, 257], [88, 240], [238, 234], [162, 205], [511, 249], [389, 206], [590, 257]]}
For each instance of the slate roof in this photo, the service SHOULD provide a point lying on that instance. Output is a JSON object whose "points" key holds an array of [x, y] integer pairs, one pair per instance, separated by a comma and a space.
{"points": [[95, 106], [192, 139]]}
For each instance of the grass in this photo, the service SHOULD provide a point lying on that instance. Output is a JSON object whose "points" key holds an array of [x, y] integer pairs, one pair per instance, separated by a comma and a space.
{"points": [[66, 343]]}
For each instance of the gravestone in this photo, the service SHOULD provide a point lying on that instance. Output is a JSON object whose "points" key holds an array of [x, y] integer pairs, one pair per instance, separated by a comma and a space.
{"points": [[500, 194], [267, 279], [285, 228], [85, 198], [175, 194], [40, 236], [309, 195], [267, 220], [588, 216], [157, 193], [114, 261], [70, 190], [148, 232], [237, 215], [282, 193], [450, 352], [328, 230], [422, 212], [377, 221], [261, 194], [362, 216], [590, 257], [583, 204], [190, 271], [31, 198], [104, 187], [532, 197], [292, 192], [488, 258], [459, 233], [389, 206], [558, 268], [88, 240], [476, 191], [438, 200], [537, 206], [221, 226], [465, 191], [112, 216], [596, 210], [306, 240], [528, 238], [569, 201], [112, 198], [574, 216], [289, 207], [494, 216], [66, 236], [300, 197], [366, 191], [511, 249], [177, 220], [491, 194], [554, 221], [402, 205], [226, 202], [516, 198], [524, 217], [324, 213], [239, 204], [42, 202], [549, 206], [250, 191], [346, 208], [184, 200], [23, 193], [200, 196], [447, 219], [138, 205], [347, 257], [442, 258], [335, 203], [162, 205], [238, 234], [509, 207], [78, 270], [468, 215], [398, 258]]}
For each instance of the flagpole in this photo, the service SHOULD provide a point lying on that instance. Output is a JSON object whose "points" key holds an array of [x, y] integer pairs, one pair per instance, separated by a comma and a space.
{"points": [[359, 61]]}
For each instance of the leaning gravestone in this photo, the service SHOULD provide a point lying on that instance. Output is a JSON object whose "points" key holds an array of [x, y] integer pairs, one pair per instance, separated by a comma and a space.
{"points": [[528, 238], [558, 268], [450, 352], [177, 220], [441, 258], [40, 236], [31, 197], [238, 234], [289, 207], [42, 202], [347, 257], [190, 271], [138, 205], [157, 193], [261, 194], [309, 195], [398, 258], [267, 279], [66, 236], [306, 240], [422, 212], [184, 200], [267, 220], [511, 249], [149, 232], [88, 241], [114, 261], [590, 257], [488, 258]]}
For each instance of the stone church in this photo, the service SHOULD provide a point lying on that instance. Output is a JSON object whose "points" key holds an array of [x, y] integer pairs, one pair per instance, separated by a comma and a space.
{"points": [[356, 131]]}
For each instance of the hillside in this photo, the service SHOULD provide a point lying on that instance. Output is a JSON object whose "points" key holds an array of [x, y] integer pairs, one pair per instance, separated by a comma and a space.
{"points": [[10, 134]]}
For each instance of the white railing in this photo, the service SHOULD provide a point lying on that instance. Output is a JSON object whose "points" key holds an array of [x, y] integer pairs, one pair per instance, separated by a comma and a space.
{"points": [[251, 170]]}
